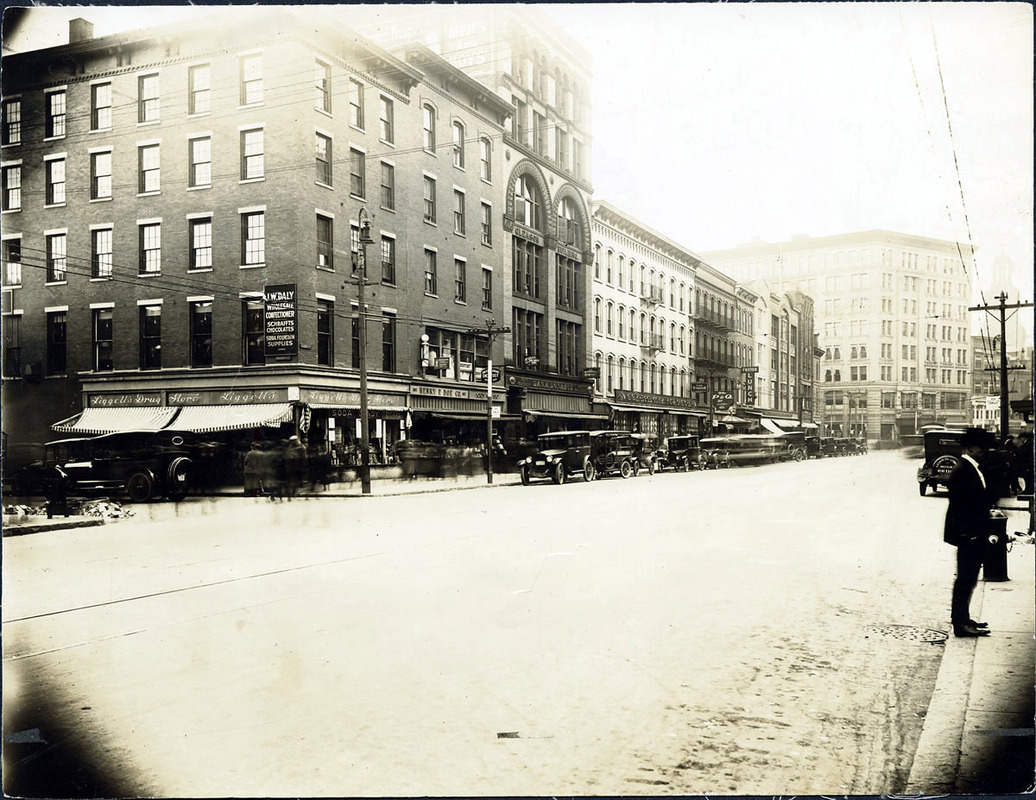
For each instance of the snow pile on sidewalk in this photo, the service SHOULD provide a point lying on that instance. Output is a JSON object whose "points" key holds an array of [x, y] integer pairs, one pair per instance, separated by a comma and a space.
{"points": [[105, 508]]}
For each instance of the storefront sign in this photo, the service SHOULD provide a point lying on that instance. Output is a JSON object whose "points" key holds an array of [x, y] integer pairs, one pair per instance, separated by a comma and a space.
{"points": [[722, 401], [282, 331], [226, 397], [349, 398], [126, 400], [626, 397], [421, 390], [548, 384]]}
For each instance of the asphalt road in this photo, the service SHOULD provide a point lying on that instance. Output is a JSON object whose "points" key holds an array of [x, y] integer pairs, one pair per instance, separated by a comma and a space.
{"points": [[764, 630]]}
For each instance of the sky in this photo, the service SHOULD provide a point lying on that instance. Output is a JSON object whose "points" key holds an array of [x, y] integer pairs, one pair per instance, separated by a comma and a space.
{"points": [[718, 123]]}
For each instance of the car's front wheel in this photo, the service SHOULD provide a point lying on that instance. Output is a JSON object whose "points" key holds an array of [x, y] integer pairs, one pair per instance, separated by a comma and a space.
{"points": [[178, 478], [559, 473], [589, 471], [651, 467], [626, 469], [525, 476], [140, 487]]}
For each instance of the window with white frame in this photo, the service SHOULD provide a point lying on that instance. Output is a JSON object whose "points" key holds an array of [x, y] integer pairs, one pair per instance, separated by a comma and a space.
{"points": [[55, 181], [460, 280], [388, 186], [355, 103], [485, 154], [147, 98], [324, 159], [199, 243], [101, 253], [458, 144], [459, 218], [200, 153], [431, 272], [199, 89], [387, 120], [428, 127], [253, 238], [429, 198], [12, 187], [487, 224], [357, 173], [11, 128], [322, 85], [149, 237], [56, 114], [251, 78], [149, 168], [100, 106], [325, 242], [253, 166]]}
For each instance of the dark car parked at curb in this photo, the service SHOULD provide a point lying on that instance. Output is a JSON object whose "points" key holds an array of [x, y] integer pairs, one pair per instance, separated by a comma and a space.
{"points": [[559, 456], [682, 453], [142, 464], [617, 453]]}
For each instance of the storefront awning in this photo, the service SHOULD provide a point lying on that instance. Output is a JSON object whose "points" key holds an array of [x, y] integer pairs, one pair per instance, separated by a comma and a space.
{"points": [[730, 419], [116, 420], [685, 412], [207, 419], [771, 426], [567, 414], [810, 426]]}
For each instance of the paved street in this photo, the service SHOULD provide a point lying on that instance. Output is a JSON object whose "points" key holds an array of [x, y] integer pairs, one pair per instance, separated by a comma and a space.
{"points": [[768, 630]]}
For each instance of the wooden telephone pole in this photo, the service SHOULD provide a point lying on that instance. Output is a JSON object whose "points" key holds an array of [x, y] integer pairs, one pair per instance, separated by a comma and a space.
{"points": [[490, 331], [1001, 310]]}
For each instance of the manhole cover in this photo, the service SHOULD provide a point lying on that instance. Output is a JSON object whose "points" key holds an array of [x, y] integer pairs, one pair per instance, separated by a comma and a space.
{"points": [[908, 633]]}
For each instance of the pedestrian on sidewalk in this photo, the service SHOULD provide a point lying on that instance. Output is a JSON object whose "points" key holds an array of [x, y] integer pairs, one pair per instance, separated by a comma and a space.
{"points": [[967, 526]]}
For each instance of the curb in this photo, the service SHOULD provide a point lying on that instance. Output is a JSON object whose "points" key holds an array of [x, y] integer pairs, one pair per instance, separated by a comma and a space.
{"points": [[51, 525]]}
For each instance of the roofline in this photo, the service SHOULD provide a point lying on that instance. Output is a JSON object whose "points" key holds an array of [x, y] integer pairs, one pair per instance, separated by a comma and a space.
{"points": [[808, 242], [615, 211]]}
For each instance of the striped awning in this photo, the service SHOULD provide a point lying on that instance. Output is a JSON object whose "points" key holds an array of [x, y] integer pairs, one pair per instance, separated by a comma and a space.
{"points": [[207, 419], [116, 420]]}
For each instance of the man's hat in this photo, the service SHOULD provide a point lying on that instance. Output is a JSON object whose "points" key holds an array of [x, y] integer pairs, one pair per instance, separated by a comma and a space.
{"points": [[976, 437]]}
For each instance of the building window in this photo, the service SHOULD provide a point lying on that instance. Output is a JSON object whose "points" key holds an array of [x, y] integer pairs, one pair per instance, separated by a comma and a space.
{"points": [[485, 152], [460, 282], [253, 324], [528, 209], [431, 278], [199, 243], [199, 89], [151, 337], [201, 333], [487, 224], [459, 221], [101, 253], [104, 340], [147, 98], [324, 160], [252, 160], [487, 289], [12, 188], [57, 342], [568, 348], [570, 231], [55, 181], [388, 186], [325, 333], [149, 178], [357, 173], [150, 245], [429, 199], [388, 260], [568, 280], [387, 123], [458, 145], [253, 238], [354, 248], [251, 79], [100, 175], [428, 128], [56, 114], [325, 242], [322, 85], [11, 132], [526, 342], [12, 256], [388, 343], [100, 106], [355, 103], [201, 162], [527, 258], [57, 257]]}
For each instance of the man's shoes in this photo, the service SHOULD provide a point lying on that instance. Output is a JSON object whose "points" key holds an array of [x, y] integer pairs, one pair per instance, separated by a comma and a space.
{"points": [[974, 624], [967, 629]]}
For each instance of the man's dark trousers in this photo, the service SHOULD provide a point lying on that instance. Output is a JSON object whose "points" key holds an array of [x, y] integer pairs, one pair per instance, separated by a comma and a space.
{"points": [[969, 562]]}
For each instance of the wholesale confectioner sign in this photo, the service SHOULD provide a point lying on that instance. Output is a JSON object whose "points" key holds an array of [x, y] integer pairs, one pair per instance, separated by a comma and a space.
{"points": [[282, 313]]}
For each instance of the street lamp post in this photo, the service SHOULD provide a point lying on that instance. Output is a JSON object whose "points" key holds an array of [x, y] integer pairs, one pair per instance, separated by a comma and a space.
{"points": [[361, 280], [491, 331]]}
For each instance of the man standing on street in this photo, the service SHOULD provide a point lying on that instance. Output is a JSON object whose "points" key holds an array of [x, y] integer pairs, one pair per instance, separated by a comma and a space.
{"points": [[966, 527]]}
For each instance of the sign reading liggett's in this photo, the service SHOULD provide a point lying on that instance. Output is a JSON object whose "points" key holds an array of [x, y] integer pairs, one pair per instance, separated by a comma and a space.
{"points": [[282, 313]]}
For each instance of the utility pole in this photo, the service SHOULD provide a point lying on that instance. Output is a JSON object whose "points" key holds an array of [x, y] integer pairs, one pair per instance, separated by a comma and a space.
{"points": [[1001, 309], [490, 331], [361, 281]]}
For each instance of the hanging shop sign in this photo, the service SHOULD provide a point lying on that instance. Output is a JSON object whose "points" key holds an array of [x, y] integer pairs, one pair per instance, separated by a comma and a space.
{"points": [[282, 330], [722, 401]]}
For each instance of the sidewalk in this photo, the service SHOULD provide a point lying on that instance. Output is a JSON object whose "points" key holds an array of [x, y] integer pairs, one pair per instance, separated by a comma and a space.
{"points": [[978, 732]]}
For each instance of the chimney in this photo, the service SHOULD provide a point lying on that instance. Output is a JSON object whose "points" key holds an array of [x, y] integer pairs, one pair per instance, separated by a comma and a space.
{"points": [[80, 30]]}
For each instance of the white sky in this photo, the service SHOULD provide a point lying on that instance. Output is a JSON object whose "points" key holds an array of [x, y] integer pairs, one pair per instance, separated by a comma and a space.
{"points": [[716, 123]]}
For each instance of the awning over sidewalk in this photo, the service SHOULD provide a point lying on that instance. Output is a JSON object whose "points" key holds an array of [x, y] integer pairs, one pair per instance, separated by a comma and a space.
{"points": [[207, 419], [116, 420], [657, 410], [730, 419]]}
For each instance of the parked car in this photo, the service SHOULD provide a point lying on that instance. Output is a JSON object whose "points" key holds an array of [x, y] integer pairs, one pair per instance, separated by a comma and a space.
{"points": [[615, 453], [141, 464], [813, 449], [681, 453], [559, 456], [644, 455], [942, 452]]}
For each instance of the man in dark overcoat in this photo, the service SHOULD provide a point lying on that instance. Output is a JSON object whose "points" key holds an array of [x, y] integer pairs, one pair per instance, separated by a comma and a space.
{"points": [[967, 526]]}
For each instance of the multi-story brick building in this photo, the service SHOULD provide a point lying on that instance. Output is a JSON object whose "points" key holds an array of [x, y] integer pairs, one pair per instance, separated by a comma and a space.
{"points": [[891, 309], [182, 215]]}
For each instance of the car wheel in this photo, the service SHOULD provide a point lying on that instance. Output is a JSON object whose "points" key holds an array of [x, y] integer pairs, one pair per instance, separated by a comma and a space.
{"points": [[178, 478], [652, 466], [798, 455], [589, 471], [525, 476], [559, 473], [922, 487], [626, 469], [140, 487]]}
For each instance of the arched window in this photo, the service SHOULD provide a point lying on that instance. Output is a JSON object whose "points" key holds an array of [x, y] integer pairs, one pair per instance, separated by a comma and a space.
{"points": [[485, 155], [597, 261], [622, 325], [673, 386], [620, 278], [643, 328], [672, 293], [653, 384], [609, 274], [683, 291], [633, 277], [428, 125], [599, 381], [528, 205], [622, 373], [633, 326], [569, 230], [672, 337], [597, 315], [609, 320], [611, 375], [458, 144], [683, 332]]}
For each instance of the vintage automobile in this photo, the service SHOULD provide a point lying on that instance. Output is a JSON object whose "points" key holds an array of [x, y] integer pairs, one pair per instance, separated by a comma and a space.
{"points": [[812, 444], [142, 464], [559, 456], [942, 452], [615, 453], [681, 453], [645, 456]]}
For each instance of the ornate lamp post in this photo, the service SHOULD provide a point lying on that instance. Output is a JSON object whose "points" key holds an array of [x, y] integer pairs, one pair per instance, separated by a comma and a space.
{"points": [[361, 280]]}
